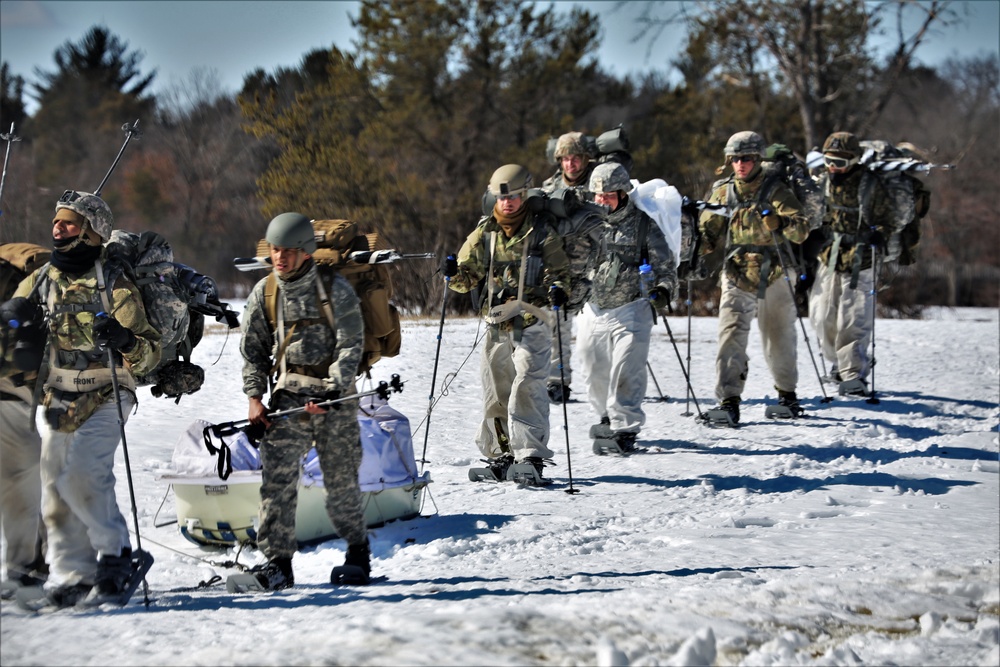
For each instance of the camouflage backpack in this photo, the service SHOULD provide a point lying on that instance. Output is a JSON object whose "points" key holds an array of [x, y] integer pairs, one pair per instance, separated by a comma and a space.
{"points": [[335, 241], [176, 299], [909, 196]]}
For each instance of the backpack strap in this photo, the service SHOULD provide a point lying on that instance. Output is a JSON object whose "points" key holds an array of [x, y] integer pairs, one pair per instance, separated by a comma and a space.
{"points": [[274, 308]]}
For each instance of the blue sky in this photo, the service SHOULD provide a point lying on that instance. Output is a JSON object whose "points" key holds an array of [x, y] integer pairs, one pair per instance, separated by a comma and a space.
{"points": [[234, 38]]}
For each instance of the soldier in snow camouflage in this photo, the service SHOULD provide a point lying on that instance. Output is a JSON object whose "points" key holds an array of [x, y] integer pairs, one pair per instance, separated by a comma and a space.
{"points": [[614, 327], [89, 548], [315, 351]]}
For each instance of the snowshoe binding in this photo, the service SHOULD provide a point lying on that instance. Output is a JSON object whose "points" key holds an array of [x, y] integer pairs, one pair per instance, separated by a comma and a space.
{"points": [[118, 577], [496, 470], [36, 598], [275, 575], [787, 407], [356, 570], [528, 472], [727, 413], [607, 441], [856, 387]]}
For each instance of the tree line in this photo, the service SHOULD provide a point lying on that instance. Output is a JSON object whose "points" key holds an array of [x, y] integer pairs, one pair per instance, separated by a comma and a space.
{"points": [[402, 131]]}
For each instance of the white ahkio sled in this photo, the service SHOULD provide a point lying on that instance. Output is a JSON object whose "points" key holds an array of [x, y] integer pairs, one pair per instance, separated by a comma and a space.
{"points": [[212, 511]]}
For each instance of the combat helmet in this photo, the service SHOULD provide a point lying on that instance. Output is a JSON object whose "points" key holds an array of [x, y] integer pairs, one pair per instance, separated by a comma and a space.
{"points": [[510, 179], [571, 143], [745, 143], [292, 230], [609, 177], [843, 143], [94, 211]]}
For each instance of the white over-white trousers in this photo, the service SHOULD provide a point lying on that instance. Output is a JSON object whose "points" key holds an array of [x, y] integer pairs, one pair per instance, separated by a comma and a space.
{"points": [[514, 395], [20, 486], [78, 495], [613, 345], [563, 333], [842, 317], [776, 315]]}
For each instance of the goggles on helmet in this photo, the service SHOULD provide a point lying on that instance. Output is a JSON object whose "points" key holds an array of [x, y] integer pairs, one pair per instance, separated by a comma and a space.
{"points": [[839, 162]]}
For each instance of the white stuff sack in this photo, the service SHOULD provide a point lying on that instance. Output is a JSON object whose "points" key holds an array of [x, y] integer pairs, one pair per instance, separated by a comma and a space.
{"points": [[662, 203]]}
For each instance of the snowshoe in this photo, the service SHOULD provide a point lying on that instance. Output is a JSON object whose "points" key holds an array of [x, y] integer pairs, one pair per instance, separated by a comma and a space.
{"points": [[118, 577], [356, 569], [856, 387], [496, 470], [275, 575], [528, 472], [787, 407], [9, 587], [36, 598], [619, 443], [727, 413]]}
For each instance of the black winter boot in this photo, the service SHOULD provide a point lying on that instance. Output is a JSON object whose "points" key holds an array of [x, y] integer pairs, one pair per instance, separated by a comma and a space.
{"points": [[275, 575], [357, 567]]}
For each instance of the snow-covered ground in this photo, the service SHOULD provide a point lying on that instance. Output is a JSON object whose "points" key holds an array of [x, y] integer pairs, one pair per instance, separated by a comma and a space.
{"points": [[864, 534]]}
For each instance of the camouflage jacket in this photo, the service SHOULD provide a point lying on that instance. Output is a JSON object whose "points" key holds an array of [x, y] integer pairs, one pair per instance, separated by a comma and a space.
{"points": [[310, 346], [616, 279], [749, 245], [847, 219], [71, 303], [581, 233], [556, 182], [478, 271]]}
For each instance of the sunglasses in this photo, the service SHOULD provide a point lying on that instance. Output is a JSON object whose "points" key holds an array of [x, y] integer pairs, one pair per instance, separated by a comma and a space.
{"points": [[838, 162], [509, 197], [743, 158]]}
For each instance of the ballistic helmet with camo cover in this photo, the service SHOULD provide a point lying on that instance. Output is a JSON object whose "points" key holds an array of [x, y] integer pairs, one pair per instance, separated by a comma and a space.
{"points": [[510, 179], [842, 143], [292, 230], [80, 207], [571, 143], [609, 177], [745, 143]]}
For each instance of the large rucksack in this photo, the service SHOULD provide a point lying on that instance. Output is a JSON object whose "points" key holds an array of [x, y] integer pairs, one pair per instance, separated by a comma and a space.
{"points": [[176, 299], [17, 262], [336, 240], [909, 197]]}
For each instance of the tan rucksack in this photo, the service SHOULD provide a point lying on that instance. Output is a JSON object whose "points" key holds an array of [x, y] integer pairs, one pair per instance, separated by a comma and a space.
{"points": [[17, 262], [336, 239]]}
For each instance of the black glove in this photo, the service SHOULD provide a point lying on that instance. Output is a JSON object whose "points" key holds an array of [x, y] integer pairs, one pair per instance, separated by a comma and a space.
{"points": [[449, 266], [109, 333], [19, 312], [876, 239], [660, 297], [330, 395], [557, 296]]}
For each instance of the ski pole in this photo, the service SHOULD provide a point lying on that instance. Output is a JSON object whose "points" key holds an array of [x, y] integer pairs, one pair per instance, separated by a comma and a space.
{"points": [[687, 377], [437, 356], [791, 291], [655, 383], [873, 400], [10, 138], [128, 467], [130, 131], [562, 378], [689, 395], [382, 391]]}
